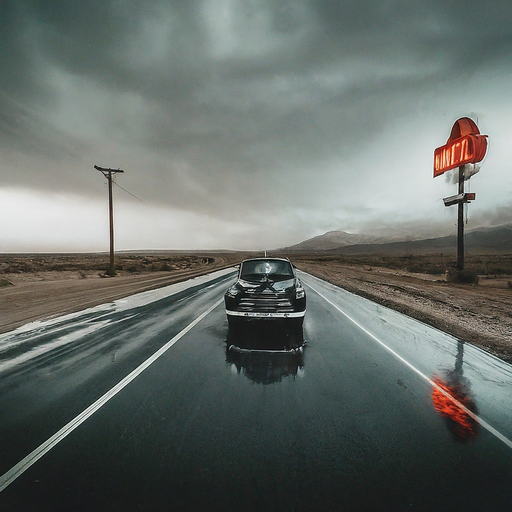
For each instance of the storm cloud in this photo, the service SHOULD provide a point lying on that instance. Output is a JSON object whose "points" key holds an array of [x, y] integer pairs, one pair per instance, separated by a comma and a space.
{"points": [[258, 123]]}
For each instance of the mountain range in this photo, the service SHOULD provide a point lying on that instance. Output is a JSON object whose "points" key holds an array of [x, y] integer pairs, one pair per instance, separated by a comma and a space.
{"points": [[494, 240]]}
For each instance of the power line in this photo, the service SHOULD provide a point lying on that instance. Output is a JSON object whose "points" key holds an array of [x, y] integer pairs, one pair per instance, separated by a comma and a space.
{"points": [[133, 195]]}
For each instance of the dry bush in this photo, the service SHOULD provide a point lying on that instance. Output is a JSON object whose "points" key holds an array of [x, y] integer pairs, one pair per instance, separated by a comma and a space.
{"points": [[134, 263]]}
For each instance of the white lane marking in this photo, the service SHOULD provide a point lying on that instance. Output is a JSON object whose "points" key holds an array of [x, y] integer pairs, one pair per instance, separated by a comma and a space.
{"points": [[33, 457], [482, 422]]}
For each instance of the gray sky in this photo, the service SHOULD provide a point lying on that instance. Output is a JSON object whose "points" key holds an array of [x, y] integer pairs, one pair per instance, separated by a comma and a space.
{"points": [[245, 124]]}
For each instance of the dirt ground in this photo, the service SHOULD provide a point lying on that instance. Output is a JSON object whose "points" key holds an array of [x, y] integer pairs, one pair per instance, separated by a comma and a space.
{"points": [[481, 314], [27, 296]]}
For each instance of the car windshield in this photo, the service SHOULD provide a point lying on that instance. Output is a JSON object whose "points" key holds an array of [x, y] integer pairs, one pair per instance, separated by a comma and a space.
{"points": [[257, 270]]}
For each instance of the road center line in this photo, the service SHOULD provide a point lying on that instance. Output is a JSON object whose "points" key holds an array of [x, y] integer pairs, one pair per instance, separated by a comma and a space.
{"points": [[32, 458], [482, 422]]}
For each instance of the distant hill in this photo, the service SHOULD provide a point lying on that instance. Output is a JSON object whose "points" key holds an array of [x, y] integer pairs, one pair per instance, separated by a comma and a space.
{"points": [[496, 240], [333, 240]]}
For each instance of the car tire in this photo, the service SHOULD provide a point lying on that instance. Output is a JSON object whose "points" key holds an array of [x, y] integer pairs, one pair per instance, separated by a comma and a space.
{"points": [[298, 325], [233, 324], [296, 332]]}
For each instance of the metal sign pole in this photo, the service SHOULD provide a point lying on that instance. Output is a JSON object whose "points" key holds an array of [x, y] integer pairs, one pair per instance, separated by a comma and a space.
{"points": [[460, 223], [465, 146]]}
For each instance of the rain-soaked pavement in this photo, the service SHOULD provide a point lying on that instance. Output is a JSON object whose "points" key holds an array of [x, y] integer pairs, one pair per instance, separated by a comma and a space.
{"points": [[380, 412]]}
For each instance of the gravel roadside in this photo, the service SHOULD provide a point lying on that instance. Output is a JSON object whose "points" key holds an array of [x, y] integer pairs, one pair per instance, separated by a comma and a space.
{"points": [[28, 297], [481, 314]]}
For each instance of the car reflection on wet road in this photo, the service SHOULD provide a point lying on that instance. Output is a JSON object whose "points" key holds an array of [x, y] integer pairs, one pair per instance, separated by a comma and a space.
{"points": [[361, 420], [269, 368], [274, 334]]}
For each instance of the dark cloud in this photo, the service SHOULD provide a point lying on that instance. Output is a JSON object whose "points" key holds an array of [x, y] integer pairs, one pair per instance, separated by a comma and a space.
{"points": [[215, 106]]}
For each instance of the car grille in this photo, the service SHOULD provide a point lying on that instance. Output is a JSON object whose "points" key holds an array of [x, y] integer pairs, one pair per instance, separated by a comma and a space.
{"points": [[266, 303]]}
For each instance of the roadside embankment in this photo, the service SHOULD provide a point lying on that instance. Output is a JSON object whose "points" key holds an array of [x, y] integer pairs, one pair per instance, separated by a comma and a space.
{"points": [[27, 296], [481, 314]]}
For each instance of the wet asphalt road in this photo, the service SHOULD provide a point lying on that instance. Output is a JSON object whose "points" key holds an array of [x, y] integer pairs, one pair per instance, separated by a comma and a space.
{"points": [[356, 423]]}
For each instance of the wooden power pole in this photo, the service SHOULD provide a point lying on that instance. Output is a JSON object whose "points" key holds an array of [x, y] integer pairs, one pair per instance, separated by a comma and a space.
{"points": [[108, 174]]}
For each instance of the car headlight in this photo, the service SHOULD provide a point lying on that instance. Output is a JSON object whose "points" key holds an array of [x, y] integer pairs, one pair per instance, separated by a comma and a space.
{"points": [[299, 292], [233, 292]]}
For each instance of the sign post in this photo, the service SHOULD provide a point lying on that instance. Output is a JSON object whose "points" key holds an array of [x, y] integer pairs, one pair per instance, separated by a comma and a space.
{"points": [[460, 222], [465, 146]]}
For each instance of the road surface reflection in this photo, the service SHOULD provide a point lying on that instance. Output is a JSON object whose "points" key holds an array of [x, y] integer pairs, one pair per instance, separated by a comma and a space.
{"points": [[266, 352], [266, 335], [461, 425], [266, 368]]}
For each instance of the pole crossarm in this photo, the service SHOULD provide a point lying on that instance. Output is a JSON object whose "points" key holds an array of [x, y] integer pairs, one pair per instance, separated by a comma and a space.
{"points": [[107, 170]]}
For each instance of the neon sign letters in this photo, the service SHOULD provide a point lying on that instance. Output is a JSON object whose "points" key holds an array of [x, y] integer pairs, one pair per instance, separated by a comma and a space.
{"points": [[465, 146]]}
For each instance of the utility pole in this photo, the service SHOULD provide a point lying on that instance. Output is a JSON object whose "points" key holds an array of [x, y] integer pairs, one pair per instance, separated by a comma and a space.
{"points": [[108, 174]]}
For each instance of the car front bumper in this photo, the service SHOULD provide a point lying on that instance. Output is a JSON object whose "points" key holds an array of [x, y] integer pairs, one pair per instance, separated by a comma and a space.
{"points": [[256, 314]]}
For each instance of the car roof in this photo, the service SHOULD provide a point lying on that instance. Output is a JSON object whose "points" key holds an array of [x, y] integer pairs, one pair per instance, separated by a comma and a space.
{"points": [[266, 259]]}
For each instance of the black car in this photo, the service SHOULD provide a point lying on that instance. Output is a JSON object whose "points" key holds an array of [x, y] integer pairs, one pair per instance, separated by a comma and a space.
{"points": [[266, 289]]}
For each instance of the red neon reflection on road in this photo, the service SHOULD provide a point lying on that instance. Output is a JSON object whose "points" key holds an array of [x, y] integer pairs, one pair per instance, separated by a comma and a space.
{"points": [[461, 424]]}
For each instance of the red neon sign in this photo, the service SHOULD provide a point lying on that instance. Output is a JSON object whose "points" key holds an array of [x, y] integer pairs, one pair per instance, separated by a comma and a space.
{"points": [[465, 146]]}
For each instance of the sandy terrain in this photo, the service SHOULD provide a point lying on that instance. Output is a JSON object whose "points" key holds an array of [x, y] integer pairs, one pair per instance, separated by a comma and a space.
{"points": [[36, 295], [479, 314]]}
